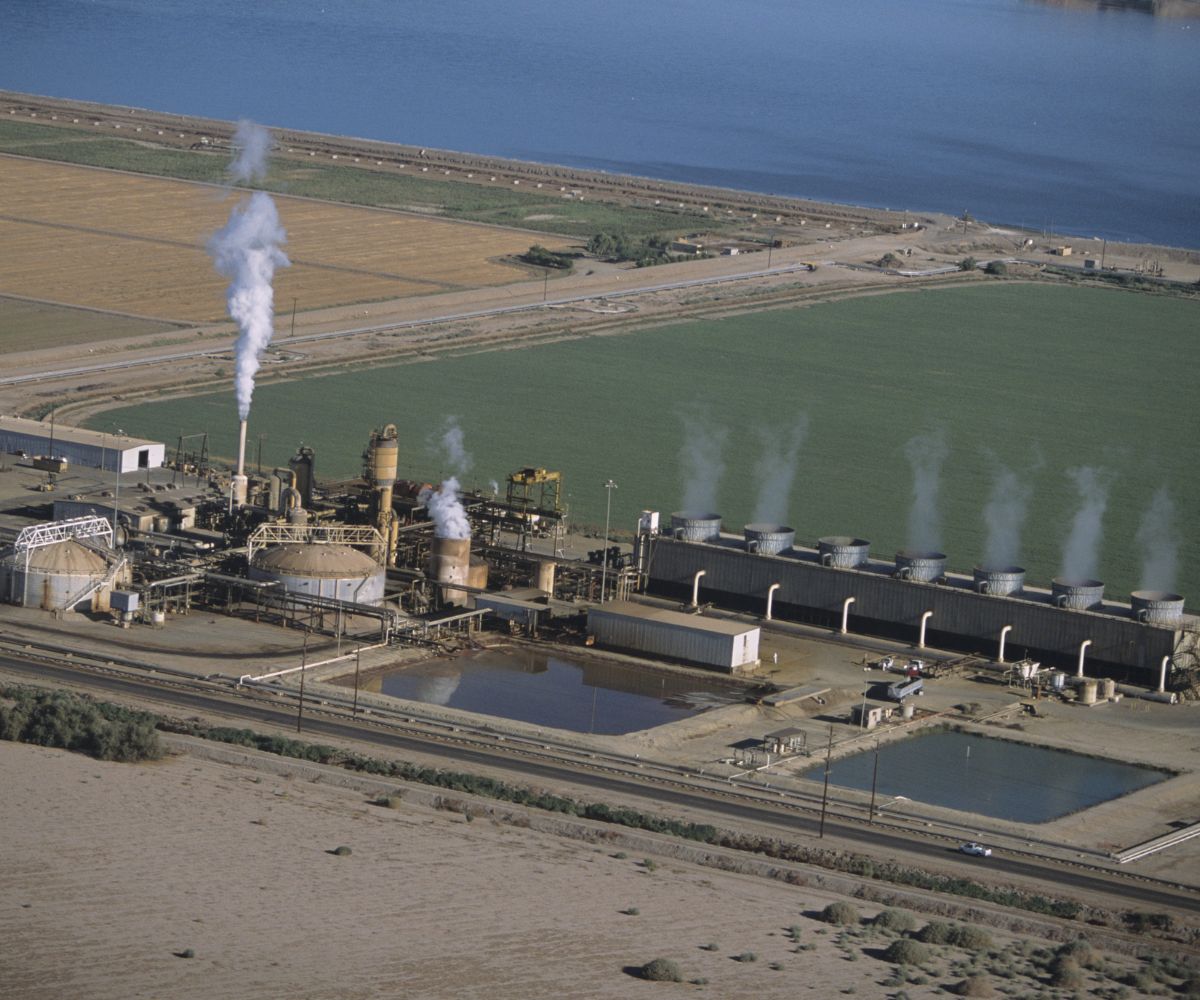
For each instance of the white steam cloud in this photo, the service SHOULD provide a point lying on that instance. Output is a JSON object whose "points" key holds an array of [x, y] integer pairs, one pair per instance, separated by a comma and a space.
{"points": [[775, 470], [253, 145], [925, 454], [458, 459], [1004, 516], [1159, 542], [700, 461], [446, 510], [1081, 553], [247, 251]]}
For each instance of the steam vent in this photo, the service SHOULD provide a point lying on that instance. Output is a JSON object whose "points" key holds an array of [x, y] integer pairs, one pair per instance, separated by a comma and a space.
{"points": [[1004, 581], [695, 526], [923, 567], [843, 551], [769, 539], [1156, 607], [1077, 595]]}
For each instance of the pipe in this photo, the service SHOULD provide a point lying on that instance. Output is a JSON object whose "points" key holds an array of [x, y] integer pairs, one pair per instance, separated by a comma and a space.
{"points": [[240, 483], [771, 597], [1082, 650], [846, 612], [1003, 636], [696, 587], [924, 621], [1162, 674]]}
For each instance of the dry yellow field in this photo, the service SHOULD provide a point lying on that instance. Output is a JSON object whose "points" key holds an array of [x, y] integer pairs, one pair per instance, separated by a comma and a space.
{"points": [[136, 245]]}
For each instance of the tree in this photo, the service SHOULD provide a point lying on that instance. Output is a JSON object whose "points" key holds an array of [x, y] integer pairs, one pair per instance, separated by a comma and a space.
{"points": [[996, 267], [968, 264]]}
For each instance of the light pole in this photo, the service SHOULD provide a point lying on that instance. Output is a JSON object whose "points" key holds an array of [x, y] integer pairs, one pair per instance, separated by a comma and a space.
{"points": [[117, 493], [609, 487]]}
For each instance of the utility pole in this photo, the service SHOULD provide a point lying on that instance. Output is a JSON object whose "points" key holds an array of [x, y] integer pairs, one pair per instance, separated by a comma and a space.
{"points": [[293, 333], [609, 486], [303, 664], [825, 793], [357, 662], [874, 779]]}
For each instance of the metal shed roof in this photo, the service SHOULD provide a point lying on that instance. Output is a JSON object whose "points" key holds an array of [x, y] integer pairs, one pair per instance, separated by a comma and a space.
{"points": [[627, 609]]}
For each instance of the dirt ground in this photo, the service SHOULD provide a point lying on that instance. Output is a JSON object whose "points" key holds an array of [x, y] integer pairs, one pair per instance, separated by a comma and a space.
{"points": [[113, 873]]}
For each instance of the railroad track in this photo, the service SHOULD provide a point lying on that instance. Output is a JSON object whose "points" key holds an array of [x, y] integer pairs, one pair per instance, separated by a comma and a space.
{"points": [[792, 815]]}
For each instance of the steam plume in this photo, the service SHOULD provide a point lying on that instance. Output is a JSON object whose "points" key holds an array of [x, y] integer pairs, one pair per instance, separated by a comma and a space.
{"points": [[925, 454], [247, 252], [253, 144], [1004, 516], [457, 457], [1081, 554], [1159, 542], [449, 518], [700, 461], [775, 470]]}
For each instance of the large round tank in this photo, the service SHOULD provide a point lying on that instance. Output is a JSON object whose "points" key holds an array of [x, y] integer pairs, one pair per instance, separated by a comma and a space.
{"points": [[843, 551], [769, 539], [477, 573], [1000, 581], [1156, 607], [450, 562], [322, 570], [696, 526], [546, 569], [55, 576], [1077, 595], [925, 567]]}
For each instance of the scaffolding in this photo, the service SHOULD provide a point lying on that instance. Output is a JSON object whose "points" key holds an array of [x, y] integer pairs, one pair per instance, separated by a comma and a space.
{"points": [[37, 536], [360, 535]]}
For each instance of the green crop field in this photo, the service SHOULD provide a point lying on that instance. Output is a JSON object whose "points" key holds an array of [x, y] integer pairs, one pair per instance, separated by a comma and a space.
{"points": [[1040, 378], [503, 204]]}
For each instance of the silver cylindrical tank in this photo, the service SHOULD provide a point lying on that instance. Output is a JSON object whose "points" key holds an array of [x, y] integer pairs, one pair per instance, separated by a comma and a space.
{"points": [[769, 539], [695, 526], [1077, 595], [1087, 692], [546, 569], [322, 570], [925, 567], [1000, 581], [1156, 607], [450, 563], [843, 551], [56, 576]]}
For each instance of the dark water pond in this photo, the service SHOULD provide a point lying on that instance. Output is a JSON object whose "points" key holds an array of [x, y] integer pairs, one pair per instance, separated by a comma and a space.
{"points": [[583, 695], [992, 777]]}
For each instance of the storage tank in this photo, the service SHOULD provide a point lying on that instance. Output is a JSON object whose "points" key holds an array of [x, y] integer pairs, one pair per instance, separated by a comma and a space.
{"points": [[1001, 581], [1107, 689], [1077, 595], [1156, 607], [1087, 692], [545, 576], [843, 551], [924, 567], [695, 526], [56, 576], [322, 569], [450, 563], [769, 539]]}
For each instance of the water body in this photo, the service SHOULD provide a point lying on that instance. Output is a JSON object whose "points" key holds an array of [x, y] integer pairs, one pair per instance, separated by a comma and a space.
{"points": [[997, 778], [582, 695], [1080, 120]]}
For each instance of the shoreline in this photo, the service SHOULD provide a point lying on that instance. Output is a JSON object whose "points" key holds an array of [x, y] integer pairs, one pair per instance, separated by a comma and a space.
{"points": [[203, 134]]}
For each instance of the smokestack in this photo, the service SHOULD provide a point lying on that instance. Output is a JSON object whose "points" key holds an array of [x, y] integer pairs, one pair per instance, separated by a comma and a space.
{"points": [[240, 482]]}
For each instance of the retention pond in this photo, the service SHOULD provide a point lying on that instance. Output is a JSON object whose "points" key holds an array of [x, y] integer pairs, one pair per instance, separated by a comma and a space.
{"points": [[991, 777], [585, 695]]}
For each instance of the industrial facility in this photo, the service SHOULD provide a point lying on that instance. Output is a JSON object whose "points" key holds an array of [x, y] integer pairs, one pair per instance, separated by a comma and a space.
{"points": [[415, 560]]}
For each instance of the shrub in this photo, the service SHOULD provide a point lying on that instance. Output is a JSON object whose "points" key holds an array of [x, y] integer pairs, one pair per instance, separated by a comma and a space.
{"points": [[794, 932], [649, 864], [1080, 950], [906, 951], [389, 800], [711, 946], [839, 913], [936, 932], [342, 851], [631, 911], [897, 921], [975, 986], [746, 956], [186, 953], [1065, 973], [662, 970], [996, 267], [971, 938], [968, 264]]}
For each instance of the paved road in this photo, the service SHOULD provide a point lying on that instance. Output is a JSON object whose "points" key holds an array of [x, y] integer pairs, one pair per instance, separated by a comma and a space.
{"points": [[730, 810]]}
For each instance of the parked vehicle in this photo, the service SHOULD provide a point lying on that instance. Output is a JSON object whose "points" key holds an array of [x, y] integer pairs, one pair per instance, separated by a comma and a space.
{"points": [[899, 690], [978, 850]]}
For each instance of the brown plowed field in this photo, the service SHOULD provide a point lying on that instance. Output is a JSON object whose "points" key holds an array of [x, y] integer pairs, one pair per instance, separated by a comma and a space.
{"points": [[136, 245]]}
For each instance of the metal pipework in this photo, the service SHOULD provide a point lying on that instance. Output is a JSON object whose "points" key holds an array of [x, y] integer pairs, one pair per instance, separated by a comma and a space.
{"points": [[771, 597], [924, 621], [1003, 636], [846, 612], [1162, 674], [1082, 651], [696, 587], [240, 484]]}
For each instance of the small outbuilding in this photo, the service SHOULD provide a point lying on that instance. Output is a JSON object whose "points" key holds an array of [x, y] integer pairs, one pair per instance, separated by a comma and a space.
{"points": [[706, 642]]}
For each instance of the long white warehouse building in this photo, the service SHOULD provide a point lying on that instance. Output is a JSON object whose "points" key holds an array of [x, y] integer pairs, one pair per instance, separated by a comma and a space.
{"points": [[93, 449], [709, 642]]}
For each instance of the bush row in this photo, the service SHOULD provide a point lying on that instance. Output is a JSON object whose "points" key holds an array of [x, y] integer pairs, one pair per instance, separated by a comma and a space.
{"points": [[76, 722]]}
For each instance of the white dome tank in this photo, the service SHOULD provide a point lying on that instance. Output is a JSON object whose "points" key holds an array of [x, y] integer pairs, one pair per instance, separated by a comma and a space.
{"points": [[57, 576], [322, 570]]}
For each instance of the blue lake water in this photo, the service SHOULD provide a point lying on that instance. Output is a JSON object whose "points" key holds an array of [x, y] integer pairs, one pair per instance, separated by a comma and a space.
{"points": [[999, 778], [1083, 121], [586, 695]]}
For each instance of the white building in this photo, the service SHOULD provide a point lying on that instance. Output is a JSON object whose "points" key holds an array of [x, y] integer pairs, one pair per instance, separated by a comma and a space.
{"points": [[93, 449]]}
